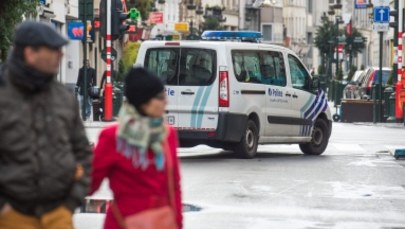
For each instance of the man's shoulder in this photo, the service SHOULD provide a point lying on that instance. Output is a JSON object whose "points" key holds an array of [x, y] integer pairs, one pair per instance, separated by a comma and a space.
{"points": [[60, 90]]}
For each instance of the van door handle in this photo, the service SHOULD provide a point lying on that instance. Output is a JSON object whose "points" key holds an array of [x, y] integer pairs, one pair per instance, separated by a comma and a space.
{"points": [[295, 96], [187, 93], [288, 94]]}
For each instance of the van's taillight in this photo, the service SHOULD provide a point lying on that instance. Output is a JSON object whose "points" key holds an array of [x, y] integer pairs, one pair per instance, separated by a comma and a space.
{"points": [[223, 89]]}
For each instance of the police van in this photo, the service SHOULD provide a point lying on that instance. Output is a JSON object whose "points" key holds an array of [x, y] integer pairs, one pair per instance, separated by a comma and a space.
{"points": [[229, 93]]}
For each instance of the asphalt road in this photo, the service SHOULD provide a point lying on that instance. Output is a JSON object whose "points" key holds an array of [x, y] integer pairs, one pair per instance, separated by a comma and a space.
{"points": [[356, 183]]}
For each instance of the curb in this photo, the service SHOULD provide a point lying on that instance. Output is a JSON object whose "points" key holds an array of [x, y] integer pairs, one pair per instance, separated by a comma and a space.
{"points": [[97, 124], [387, 125]]}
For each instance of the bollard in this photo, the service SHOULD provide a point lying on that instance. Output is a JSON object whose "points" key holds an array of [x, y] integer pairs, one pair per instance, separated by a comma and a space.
{"points": [[387, 108], [374, 98], [403, 113], [339, 92], [331, 90], [391, 117]]}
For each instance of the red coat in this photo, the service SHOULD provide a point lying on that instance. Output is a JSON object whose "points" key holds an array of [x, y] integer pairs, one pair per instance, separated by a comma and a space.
{"points": [[134, 189]]}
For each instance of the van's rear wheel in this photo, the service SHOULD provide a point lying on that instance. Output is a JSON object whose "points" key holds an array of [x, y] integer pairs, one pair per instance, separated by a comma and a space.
{"points": [[247, 147], [319, 141]]}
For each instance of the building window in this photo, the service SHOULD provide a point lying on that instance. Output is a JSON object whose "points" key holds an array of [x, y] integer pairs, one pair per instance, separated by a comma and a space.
{"points": [[267, 32], [309, 6]]}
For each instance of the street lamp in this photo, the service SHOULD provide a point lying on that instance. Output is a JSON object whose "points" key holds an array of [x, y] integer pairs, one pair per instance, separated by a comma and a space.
{"points": [[199, 11], [258, 4], [338, 20]]}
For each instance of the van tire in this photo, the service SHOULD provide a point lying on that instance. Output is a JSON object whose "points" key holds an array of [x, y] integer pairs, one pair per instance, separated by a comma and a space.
{"points": [[319, 141], [247, 147]]}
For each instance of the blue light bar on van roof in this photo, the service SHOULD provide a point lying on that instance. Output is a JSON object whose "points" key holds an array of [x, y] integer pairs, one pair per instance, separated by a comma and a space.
{"points": [[232, 35]]}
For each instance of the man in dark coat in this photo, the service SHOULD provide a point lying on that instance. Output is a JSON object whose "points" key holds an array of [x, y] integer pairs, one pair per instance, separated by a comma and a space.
{"points": [[45, 156], [91, 81]]}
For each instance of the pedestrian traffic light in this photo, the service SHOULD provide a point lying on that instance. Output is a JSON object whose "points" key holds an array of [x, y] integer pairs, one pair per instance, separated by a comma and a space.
{"points": [[394, 23], [134, 15], [118, 20], [103, 18]]}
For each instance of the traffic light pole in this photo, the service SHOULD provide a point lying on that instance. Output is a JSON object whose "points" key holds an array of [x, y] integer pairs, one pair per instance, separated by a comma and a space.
{"points": [[398, 87], [85, 94], [108, 85], [378, 93]]}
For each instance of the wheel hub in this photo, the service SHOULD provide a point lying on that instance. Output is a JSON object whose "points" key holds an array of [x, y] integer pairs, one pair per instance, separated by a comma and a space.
{"points": [[317, 136], [250, 138]]}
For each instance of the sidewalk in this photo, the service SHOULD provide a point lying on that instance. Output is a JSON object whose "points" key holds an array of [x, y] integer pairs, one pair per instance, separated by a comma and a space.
{"points": [[382, 124]]}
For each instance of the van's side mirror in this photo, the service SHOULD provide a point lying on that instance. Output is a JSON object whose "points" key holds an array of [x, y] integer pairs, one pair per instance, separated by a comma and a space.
{"points": [[316, 84]]}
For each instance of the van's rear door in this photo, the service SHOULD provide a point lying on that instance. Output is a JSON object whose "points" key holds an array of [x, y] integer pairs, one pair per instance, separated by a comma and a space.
{"points": [[164, 62], [197, 102], [189, 75]]}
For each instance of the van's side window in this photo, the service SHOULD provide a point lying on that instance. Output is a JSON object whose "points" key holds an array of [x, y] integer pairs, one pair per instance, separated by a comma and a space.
{"points": [[197, 66], [246, 65], [163, 62], [273, 69], [299, 75]]}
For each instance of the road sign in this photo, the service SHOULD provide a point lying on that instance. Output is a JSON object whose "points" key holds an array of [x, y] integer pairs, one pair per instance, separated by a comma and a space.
{"points": [[382, 14], [156, 17], [380, 27], [181, 27], [75, 30], [113, 54], [381, 2], [358, 40]]}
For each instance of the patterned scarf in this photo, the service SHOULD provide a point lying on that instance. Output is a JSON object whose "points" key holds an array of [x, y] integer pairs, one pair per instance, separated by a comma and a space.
{"points": [[136, 134]]}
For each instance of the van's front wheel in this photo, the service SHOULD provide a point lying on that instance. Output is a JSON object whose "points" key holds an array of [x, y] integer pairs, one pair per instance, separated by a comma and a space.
{"points": [[247, 147], [319, 141]]}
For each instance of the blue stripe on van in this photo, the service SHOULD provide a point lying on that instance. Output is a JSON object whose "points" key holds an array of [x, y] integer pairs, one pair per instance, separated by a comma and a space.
{"points": [[318, 105], [303, 109], [202, 106], [194, 109], [318, 108]]}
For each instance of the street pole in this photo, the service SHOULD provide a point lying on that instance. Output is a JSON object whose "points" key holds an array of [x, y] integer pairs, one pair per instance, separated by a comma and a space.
{"points": [[84, 101], [337, 46], [108, 85], [379, 88], [398, 87]]}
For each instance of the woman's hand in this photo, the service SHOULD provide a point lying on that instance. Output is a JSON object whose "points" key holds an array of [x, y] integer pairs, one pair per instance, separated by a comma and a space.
{"points": [[6, 208]]}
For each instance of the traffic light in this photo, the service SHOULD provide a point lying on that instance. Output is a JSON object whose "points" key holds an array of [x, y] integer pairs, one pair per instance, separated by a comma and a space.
{"points": [[118, 20], [394, 23], [103, 18], [134, 15]]}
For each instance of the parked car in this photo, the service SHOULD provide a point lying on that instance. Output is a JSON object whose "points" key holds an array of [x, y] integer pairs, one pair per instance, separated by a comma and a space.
{"points": [[371, 79], [349, 91], [360, 86]]}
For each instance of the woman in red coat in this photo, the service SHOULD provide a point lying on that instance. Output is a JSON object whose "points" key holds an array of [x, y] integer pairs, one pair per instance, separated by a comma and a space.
{"points": [[131, 153]]}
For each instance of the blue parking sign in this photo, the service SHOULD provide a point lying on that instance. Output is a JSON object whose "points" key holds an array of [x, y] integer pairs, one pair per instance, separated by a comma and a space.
{"points": [[76, 30], [381, 14]]}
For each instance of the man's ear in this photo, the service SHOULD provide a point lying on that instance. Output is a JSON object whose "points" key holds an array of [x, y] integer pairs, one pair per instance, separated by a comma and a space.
{"points": [[29, 55]]}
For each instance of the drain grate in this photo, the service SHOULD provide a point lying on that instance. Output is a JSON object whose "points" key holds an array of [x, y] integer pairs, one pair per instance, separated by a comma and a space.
{"points": [[101, 206], [191, 208]]}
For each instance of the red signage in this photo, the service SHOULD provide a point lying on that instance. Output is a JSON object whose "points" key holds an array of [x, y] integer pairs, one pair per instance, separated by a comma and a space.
{"points": [[137, 35], [156, 17], [340, 48], [349, 29], [131, 29]]}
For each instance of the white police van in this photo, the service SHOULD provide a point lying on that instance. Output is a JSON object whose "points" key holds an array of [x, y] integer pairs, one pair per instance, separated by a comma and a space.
{"points": [[236, 95]]}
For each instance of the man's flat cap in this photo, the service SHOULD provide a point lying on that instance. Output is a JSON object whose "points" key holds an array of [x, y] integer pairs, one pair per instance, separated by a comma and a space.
{"points": [[31, 33]]}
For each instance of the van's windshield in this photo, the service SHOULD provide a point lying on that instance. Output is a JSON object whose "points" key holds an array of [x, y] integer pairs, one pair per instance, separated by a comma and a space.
{"points": [[182, 66]]}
